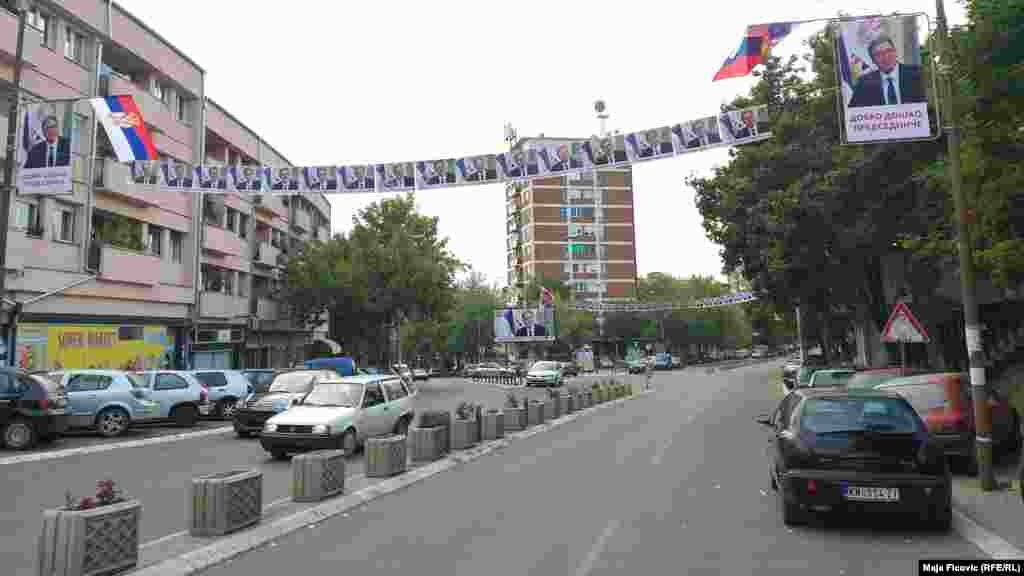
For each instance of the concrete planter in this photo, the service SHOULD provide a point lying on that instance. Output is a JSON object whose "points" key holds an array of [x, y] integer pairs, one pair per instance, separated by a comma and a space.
{"points": [[494, 426], [585, 398], [318, 475], [224, 502], [565, 404], [463, 434], [513, 419], [428, 444], [548, 410], [552, 408], [534, 413], [103, 540], [385, 456]]}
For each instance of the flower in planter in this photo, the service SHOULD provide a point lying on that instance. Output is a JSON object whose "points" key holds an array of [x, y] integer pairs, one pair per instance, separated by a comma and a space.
{"points": [[106, 494]]}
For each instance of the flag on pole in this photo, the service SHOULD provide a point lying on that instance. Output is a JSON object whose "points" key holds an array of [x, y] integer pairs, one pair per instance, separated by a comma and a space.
{"points": [[845, 71], [127, 132], [754, 49], [547, 297]]}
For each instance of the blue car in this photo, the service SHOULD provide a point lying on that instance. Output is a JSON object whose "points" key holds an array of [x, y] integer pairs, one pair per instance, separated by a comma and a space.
{"points": [[663, 362]]}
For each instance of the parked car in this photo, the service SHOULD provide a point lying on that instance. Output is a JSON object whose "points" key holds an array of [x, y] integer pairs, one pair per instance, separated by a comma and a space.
{"points": [[33, 408], [545, 373], [226, 388], [434, 373], [662, 361], [492, 369], [870, 378], [839, 450], [287, 389], [830, 378], [403, 371], [343, 365], [108, 401], [420, 374], [606, 363], [570, 369], [341, 413], [677, 362], [944, 402], [182, 398], [260, 378], [636, 366]]}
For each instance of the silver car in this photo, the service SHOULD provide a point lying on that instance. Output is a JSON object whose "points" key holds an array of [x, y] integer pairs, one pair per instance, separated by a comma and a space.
{"points": [[226, 388], [109, 401], [544, 373], [341, 414], [182, 398]]}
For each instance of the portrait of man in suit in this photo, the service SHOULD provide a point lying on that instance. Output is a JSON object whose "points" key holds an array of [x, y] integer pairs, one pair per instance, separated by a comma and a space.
{"points": [[711, 133], [363, 177], [517, 164], [530, 327], [560, 162], [284, 180], [181, 177], [747, 127], [246, 175], [425, 172], [892, 83], [490, 164], [473, 169], [617, 148], [532, 167], [53, 151], [313, 180], [146, 173], [327, 175], [215, 179], [440, 172]]}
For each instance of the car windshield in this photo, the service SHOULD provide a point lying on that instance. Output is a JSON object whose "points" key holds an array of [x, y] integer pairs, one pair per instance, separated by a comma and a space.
{"points": [[342, 394], [136, 380], [858, 415], [544, 366], [292, 382]]}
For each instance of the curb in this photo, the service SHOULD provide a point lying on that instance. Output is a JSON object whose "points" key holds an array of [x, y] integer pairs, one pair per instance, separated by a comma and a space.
{"points": [[987, 541], [238, 543]]}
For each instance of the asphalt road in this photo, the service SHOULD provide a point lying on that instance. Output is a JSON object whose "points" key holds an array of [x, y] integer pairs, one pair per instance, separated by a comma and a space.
{"points": [[159, 475], [672, 483]]}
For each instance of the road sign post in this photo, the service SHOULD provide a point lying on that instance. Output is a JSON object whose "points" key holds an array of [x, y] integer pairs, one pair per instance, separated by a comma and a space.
{"points": [[903, 327]]}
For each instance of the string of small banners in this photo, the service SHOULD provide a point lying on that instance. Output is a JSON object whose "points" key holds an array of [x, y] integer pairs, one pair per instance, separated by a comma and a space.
{"points": [[703, 304]]}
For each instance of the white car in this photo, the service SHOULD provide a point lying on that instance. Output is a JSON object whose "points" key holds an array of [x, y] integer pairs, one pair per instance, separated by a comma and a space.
{"points": [[544, 373], [420, 374], [341, 414]]}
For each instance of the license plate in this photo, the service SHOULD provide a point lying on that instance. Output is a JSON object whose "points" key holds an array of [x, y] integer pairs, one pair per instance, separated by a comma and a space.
{"points": [[871, 494]]}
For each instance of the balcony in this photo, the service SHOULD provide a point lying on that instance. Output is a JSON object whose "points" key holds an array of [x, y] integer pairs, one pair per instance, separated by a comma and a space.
{"points": [[219, 305], [302, 220], [114, 179], [221, 241], [269, 206], [122, 265], [267, 255]]}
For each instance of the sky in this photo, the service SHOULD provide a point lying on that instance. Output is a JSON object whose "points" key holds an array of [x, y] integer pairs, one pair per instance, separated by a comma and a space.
{"points": [[389, 81]]}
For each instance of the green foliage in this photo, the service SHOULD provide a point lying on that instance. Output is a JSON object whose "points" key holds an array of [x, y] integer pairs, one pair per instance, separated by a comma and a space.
{"points": [[120, 231]]}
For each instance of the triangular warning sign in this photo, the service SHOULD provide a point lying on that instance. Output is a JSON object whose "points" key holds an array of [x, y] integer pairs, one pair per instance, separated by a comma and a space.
{"points": [[902, 326]]}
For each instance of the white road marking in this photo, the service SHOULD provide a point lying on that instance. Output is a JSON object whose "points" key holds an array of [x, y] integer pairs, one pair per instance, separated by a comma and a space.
{"points": [[989, 542], [587, 565], [57, 454], [269, 506]]}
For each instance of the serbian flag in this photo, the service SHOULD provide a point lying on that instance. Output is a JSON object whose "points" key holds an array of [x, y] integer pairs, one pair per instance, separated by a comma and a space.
{"points": [[754, 49], [125, 129], [547, 297]]}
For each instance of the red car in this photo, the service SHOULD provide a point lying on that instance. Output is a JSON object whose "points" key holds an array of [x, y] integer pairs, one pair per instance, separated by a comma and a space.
{"points": [[943, 400], [873, 377]]}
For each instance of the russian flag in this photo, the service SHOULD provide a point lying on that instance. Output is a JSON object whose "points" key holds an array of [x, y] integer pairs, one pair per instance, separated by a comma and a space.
{"points": [[754, 49], [125, 128]]}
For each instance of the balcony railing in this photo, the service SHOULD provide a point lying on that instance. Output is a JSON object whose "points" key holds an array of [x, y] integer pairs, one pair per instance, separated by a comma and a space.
{"points": [[220, 305], [123, 265]]}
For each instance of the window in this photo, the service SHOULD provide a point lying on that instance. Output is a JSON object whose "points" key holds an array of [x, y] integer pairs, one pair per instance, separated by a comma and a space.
{"points": [[394, 390], [182, 109], [160, 91], [27, 217], [64, 225], [229, 281], [166, 381], [41, 21], [88, 382], [177, 241], [155, 240], [74, 45], [243, 284], [232, 217], [373, 396], [212, 379], [243, 226]]}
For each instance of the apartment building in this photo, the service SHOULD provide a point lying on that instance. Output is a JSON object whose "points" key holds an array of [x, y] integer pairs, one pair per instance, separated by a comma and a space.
{"points": [[120, 275], [577, 229]]}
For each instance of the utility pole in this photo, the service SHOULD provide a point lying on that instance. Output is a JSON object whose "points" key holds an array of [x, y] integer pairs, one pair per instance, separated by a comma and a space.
{"points": [[20, 7], [972, 325]]}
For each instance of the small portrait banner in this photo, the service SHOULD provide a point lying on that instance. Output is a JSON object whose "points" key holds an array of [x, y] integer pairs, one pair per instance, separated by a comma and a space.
{"points": [[524, 324], [881, 79], [46, 144]]}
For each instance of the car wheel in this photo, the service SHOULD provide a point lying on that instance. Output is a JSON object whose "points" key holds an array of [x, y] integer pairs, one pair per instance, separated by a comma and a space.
{"points": [[112, 422], [348, 442], [185, 416], [402, 426], [19, 435], [226, 408]]}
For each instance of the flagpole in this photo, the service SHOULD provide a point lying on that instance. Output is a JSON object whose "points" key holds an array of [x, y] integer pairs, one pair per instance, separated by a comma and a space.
{"points": [[12, 134]]}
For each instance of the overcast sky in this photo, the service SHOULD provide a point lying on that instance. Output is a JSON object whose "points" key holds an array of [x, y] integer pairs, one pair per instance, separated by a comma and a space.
{"points": [[384, 81]]}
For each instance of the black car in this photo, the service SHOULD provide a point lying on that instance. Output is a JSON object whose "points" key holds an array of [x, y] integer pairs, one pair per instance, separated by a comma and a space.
{"points": [[867, 451], [286, 389], [570, 369], [32, 408]]}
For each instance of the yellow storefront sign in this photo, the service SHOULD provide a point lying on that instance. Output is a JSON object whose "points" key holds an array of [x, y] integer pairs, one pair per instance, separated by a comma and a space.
{"points": [[114, 347]]}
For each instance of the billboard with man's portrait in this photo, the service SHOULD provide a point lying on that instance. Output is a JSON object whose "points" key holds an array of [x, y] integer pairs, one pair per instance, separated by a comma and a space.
{"points": [[45, 148], [881, 78], [524, 324]]}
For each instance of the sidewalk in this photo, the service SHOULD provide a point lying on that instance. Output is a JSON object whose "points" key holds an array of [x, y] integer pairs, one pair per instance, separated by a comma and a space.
{"points": [[1000, 511]]}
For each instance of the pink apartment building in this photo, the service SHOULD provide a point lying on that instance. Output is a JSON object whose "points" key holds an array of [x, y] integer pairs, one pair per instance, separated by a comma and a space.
{"points": [[118, 275]]}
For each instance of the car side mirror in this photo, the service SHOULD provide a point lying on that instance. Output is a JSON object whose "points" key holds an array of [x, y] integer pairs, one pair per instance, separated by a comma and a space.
{"points": [[765, 420]]}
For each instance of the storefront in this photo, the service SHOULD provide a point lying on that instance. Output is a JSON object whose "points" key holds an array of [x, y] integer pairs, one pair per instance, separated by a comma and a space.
{"points": [[56, 346], [217, 348]]}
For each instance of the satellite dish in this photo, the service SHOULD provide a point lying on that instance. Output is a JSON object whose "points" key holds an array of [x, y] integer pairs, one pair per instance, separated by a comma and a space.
{"points": [[599, 106]]}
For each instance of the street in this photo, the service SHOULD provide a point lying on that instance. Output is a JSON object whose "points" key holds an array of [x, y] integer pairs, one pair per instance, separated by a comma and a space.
{"points": [[159, 475], [672, 483]]}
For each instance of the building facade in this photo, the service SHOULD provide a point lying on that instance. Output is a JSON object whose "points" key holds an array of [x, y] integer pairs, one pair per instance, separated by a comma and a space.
{"points": [[119, 275], [577, 229]]}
